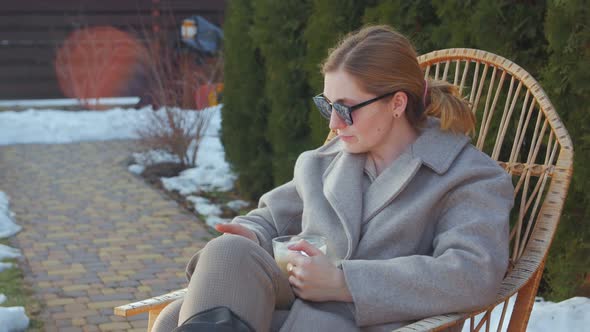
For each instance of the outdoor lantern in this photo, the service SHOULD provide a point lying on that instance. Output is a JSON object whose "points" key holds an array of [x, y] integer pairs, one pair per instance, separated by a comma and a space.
{"points": [[188, 30], [201, 35]]}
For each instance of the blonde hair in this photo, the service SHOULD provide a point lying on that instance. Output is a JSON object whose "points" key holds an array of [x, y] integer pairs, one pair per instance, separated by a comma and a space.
{"points": [[383, 60]]}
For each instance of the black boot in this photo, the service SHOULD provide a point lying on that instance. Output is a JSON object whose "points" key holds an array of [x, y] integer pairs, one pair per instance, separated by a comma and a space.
{"points": [[218, 319]]}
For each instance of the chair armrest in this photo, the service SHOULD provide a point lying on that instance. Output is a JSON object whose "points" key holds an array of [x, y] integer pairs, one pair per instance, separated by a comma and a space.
{"points": [[155, 303]]}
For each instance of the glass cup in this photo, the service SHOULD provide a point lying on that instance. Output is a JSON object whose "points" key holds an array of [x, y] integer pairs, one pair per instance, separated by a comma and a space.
{"points": [[281, 243]]}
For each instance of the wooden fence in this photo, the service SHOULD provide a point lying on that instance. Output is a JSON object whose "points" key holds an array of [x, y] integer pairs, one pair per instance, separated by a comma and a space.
{"points": [[31, 32]]}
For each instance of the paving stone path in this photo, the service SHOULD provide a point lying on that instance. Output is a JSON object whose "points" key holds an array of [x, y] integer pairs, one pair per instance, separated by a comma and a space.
{"points": [[94, 235]]}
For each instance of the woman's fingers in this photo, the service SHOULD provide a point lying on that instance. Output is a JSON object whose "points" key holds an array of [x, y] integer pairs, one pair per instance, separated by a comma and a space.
{"points": [[236, 229], [297, 292], [295, 282], [298, 259], [296, 272], [226, 228], [306, 247]]}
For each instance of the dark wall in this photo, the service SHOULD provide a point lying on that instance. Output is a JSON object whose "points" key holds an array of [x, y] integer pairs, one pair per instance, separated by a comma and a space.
{"points": [[31, 31]]}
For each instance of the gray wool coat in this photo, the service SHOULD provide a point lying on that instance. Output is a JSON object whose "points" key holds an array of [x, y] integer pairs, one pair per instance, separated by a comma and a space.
{"points": [[428, 236]]}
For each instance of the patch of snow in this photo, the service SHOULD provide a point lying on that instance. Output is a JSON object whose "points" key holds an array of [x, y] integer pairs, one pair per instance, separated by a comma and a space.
{"points": [[214, 220], [5, 266], [55, 126], [8, 252], [7, 226], [209, 210], [13, 319], [237, 204], [197, 179], [136, 169], [2, 298], [52, 126], [572, 315], [204, 206], [569, 315], [211, 173]]}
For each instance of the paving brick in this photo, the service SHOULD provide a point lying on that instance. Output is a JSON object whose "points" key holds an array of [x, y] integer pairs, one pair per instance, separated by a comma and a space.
{"points": [[64, 272], [63, 323], [76, 287], [59, 301], [114, 326], [106, 304], [79, 322], [56, 309], [75, 307], [113, 278], [71, 329], [111, 297], [98, 319], [108, 291], [73, 314], [83, 300], [128, 283], [74, 294]]}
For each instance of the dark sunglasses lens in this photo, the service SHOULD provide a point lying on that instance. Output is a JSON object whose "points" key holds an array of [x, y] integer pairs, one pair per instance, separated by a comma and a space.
{"points": [[323, 106], [344, 113]]}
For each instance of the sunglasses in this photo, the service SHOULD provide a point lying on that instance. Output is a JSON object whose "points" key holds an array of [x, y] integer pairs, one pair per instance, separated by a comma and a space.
{"points": [[325, 106]]}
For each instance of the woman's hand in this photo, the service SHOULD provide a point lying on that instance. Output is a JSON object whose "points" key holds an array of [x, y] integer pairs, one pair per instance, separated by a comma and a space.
{"points": [[237, 229], [314, 277]]}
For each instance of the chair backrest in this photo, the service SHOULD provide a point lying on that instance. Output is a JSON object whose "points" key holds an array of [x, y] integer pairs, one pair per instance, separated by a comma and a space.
{"points": [[519, 127]]}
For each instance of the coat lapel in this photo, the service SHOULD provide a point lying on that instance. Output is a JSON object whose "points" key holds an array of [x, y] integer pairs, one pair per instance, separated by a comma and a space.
{"points": [[389, 184], [343, 191]]}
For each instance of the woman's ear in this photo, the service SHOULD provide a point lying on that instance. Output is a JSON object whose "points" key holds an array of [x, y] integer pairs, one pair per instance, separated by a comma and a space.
{"points": [[398, 103]]}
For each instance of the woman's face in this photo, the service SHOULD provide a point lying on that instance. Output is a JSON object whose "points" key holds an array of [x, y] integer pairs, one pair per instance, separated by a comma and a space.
{"points": [[371, 125]]}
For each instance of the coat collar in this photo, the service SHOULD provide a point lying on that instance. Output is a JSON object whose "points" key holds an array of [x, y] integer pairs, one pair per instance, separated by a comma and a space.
{"points": [[343, 177], [436, 148]]}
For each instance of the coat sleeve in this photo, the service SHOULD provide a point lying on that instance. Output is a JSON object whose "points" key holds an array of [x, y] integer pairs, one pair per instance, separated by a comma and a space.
{"points": [[470, 257], [279, 213]]}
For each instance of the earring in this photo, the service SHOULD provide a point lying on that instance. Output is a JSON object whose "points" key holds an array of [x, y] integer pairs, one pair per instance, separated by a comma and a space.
{"points": [[396, 115]]}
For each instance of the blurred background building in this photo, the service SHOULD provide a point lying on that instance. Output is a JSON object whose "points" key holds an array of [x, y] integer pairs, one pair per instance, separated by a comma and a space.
{"points": [[87, 48]]}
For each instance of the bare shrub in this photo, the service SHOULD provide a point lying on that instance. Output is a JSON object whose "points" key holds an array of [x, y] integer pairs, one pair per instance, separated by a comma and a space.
{"points": [[178, 131], [173, 76]]}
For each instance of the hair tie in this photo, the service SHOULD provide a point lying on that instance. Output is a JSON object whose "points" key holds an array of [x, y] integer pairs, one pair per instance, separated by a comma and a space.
{"points": [[425, 92]]}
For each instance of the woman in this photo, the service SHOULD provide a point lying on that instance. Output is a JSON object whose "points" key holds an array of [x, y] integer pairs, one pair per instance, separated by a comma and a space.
{"points": [[416, 218]]}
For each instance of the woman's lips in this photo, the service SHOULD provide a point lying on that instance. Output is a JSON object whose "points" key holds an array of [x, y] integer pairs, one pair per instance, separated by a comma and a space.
{"points": [[346, 138]]}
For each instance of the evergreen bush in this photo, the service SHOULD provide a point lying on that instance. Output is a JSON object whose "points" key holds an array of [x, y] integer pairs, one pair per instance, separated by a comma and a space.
{"points": [[566, 78], [278, 33], [245, 110]]}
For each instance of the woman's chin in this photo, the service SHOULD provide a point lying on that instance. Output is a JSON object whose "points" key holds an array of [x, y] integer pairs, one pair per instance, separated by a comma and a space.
{"points": [[353, 148]]}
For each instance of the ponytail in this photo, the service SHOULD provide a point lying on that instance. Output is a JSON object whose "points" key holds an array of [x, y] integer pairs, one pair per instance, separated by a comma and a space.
{"points": [[444, 102]]}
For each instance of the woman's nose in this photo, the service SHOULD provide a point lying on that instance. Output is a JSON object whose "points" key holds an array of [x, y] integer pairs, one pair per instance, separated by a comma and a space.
{"points": [[336, 121]]}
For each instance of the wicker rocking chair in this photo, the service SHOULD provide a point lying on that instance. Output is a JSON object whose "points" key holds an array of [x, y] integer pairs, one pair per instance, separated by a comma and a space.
{"points": [[518, 127]]}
